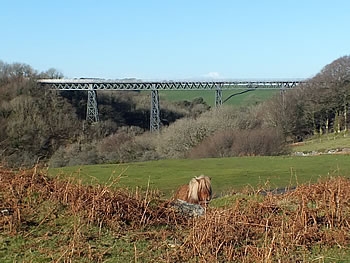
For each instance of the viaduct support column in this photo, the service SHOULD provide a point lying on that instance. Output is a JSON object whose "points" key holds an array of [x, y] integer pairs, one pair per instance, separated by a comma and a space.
{"points": [[218, 95], [155, 112], [92, 110]]}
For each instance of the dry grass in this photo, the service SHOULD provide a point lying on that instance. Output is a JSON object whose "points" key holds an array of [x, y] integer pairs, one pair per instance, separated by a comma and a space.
{"points": [[24, 191], [277, 228], [281, 228]]}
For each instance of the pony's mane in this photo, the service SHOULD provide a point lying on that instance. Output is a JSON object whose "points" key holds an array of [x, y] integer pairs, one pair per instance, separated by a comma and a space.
{"points": [[198, 184]]}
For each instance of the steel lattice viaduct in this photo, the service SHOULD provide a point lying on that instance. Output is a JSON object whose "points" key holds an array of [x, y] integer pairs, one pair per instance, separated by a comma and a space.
{"points": [[93, 85]]}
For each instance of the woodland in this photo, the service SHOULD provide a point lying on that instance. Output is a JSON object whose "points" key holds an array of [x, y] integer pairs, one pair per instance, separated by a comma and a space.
{"points": [[49, 127]]}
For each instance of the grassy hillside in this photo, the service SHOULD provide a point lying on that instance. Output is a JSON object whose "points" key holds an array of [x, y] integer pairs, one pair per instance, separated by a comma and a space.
{"points": [[249, 98], [324, 143], [228, 174]]}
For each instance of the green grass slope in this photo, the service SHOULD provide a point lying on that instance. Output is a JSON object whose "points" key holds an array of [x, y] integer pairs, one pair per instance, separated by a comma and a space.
{"points": [[228, 174], [248, 98], [325, 143]]}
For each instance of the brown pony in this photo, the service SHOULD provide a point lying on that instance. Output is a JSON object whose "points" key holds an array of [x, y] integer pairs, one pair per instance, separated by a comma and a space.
{"points": [[198, 191]]}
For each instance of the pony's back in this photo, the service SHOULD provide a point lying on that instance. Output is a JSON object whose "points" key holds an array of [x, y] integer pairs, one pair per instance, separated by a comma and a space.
{"points": [[182, 193]]}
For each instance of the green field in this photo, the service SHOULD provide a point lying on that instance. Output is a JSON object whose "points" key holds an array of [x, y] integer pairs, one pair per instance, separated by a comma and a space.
{"points": [[55, 230], [324, 143], [249, 98], [228, 174]]}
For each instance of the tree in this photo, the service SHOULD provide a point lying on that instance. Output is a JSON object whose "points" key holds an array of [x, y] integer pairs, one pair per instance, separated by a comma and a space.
{"points": [[334, 87], [51, 73], [315, 105]]}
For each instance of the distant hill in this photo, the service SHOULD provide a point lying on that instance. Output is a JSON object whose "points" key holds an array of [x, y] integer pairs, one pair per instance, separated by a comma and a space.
{"points": [[248, 98]]}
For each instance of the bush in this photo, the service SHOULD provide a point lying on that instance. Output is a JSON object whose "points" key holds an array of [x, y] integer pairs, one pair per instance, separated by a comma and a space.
{"points": [[75, 154], [126, 145], [21, 158], [177, 139], [181, 137], [263, 141]]}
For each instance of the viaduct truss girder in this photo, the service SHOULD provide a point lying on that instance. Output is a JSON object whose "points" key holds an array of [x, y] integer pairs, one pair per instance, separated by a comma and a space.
{"points": [[93, 85], [98, 84]]}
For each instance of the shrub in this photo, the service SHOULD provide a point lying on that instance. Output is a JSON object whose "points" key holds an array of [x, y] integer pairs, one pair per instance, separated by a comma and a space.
{"points": [[181, 136], [21, 158], [223, 131], [123, 146], [175, 140], [75, 154], [126, 145], [263, 141]]}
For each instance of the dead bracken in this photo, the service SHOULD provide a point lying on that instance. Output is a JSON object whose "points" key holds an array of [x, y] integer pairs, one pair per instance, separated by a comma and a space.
{"points": [[267, 228]]}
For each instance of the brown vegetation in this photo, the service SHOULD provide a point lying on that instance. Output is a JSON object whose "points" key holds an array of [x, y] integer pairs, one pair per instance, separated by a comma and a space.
{"points": [[254, 142], [101, 205], [276, 229], [47, 126], [253, 228]]}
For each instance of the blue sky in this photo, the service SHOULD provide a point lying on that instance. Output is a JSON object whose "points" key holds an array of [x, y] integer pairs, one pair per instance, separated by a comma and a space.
{"points": [[176, 39]]}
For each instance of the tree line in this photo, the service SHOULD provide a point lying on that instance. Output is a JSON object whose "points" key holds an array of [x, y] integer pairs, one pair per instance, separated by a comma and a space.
{"points": [[49, 126]]}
